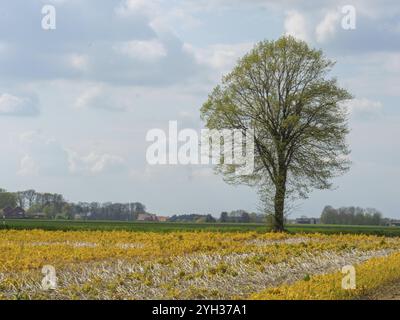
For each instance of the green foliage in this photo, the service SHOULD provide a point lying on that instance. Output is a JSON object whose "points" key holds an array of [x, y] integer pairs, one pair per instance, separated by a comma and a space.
{"points": [[306, 277], [198, 218], [23, 224], [53, 205], [7, 199], [351, 216]]}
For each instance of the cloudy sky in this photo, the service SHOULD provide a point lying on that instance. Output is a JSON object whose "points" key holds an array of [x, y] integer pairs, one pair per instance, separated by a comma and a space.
{"points": [[77, 101]]}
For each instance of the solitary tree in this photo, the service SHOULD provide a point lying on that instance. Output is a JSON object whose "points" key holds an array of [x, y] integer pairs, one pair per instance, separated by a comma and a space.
{"points": [[281, 90]]}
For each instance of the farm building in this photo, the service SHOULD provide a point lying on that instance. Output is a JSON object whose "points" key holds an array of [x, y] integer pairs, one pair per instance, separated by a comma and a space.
{"points": [[146, 217], [162, 218], [13, 213], [394, 223], [306, 220], [37, 215]]}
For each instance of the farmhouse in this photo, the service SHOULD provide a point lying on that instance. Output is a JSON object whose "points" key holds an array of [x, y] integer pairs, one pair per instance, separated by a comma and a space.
{"points": [[394, 223], [162, 218], [78, 216], [13, 213], [37, 215], [146, 217], [306, 220]]}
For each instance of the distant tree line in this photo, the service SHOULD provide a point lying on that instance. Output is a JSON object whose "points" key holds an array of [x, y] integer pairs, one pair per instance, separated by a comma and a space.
{"points": [[54, 206], [108, 210], [192, 218], [242, 216], [7, 199], [352, 216], [237, 216]]}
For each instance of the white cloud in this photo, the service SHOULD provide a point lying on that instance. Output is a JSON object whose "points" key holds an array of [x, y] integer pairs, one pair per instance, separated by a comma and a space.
{"points": [[373, 73], [145, 7], [87, 97], [95, 163], [161, 17], [79, 62], [41, 155], [99, 96], [167, 20], [89, 49], [219, 56], [149, 50], [296, 25], [327, 27], [364, 107], [28, 166], [11, 105]]}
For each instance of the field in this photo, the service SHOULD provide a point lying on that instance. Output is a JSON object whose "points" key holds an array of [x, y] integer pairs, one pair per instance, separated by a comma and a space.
{"points": [[28, 224], [103, 260]]}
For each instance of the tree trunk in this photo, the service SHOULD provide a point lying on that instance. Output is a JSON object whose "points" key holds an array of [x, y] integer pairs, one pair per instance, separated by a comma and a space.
{"points": [[279, 203]]}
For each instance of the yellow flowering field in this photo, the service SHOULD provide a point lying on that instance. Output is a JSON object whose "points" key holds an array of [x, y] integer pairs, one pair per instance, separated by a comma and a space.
{"points": [[370, 275], [191, 265]]}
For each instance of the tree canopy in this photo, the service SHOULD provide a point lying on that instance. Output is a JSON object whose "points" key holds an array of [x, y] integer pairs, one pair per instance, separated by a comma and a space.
{"points": [[281, 89]]}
